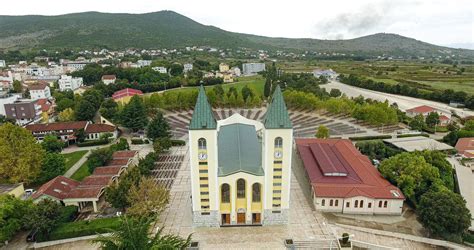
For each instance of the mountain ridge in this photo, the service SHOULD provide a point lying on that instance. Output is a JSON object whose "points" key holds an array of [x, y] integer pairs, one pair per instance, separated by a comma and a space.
{"points": [[166, 29]]}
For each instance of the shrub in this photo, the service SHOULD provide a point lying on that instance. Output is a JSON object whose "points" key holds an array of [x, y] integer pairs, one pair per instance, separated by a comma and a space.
{"points": [[93, 143], [137, 141], [68, 214], [178, 143]]}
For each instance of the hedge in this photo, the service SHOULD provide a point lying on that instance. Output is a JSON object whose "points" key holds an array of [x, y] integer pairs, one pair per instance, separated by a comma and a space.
{"points": [[139, 141], [178, 143], [93, 143], [363, 138], [82, 228]]}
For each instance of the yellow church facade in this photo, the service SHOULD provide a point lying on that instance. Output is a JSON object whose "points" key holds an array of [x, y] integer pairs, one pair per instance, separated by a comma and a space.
{"points": [[240, 168]]}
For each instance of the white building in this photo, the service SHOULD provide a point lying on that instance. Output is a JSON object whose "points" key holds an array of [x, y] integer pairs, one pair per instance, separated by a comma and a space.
{"points": [[252, 68], [39, 91], [2, 64], [109, 79], [143, 63], [240, 168], [6, 99], [69, 83], [236, 71], [187, 67], [160, 69]]}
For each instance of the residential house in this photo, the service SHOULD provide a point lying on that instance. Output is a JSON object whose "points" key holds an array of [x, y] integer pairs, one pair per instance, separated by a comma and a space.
{"points": [[6, 99], [465, 147], [66, 131], [236, 71], [160, 69], [143, 63], [109, 79], [39, 90], [2, 64], [342, 180], [187, 67], [96, 131], [47, 108], [24, 111], [16, 190], [223, 67], [444, 120], [423, 110], [6, 80], [69, 83], [123, 96]]}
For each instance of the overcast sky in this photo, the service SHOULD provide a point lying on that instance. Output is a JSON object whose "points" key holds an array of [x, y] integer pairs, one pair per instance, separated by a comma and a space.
{"points": [[442, 22]]}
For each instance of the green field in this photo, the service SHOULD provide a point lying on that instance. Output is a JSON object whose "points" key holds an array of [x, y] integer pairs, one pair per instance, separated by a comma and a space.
{"points": [[72, 158], [422, 74], [81, 173]]}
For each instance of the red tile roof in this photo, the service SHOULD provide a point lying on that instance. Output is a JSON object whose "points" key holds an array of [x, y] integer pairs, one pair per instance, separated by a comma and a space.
{"points": [[109, 77], [56, 126], [337, 169], [99, 128], [96, 180], [45, 104], [465, 146], [107, 170], [126, 92], [85, 192], [118, 162], [421, 109], [444, 118], [38, 86], [124, 154], [58, 188]]}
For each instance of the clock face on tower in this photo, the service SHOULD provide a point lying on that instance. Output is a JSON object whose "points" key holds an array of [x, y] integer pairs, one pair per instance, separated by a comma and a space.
{"points": [[202, 156], [278, 154]]}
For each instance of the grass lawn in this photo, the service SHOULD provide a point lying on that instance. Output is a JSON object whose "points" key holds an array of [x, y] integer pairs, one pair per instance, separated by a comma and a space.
{"points": [[72, 158], [83, 228], [81, 173]]}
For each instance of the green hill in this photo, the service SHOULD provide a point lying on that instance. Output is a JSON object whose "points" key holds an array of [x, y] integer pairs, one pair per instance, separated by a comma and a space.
{"points": [[168, 29]]}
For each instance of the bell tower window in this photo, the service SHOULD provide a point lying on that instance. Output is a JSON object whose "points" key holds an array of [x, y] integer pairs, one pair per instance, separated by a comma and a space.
{"points": [[278, 142], [202, 144]]}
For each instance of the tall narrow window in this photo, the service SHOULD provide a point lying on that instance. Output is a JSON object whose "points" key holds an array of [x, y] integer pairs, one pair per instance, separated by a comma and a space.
{"points": [[278, 142], [240, 188], [380, 203], [256, 192], [202, 144], [385, 203], [330, 202], [225, 193], [361, 203], [336, 203], [356, 203], [323, 202]]}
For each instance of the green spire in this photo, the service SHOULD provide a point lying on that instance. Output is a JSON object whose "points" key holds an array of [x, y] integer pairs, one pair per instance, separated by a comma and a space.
{"points": [[203, 118], [277, 114]]}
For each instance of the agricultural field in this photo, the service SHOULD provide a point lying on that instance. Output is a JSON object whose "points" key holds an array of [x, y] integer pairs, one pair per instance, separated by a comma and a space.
{"points": [[424, 75]]}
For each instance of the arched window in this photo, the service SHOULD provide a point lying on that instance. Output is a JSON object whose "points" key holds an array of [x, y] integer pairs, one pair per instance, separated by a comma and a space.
{"points": [[336, 203], [330, 202], [356, 203], [256, 196], [380, 203], [323, 202], [225, 193], [240, 188], [278, 142], [385, 203], [202, 144], [361, 203]]}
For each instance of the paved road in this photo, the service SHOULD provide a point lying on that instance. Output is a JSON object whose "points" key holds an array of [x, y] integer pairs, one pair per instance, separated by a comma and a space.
{"points": [[403, 102]]}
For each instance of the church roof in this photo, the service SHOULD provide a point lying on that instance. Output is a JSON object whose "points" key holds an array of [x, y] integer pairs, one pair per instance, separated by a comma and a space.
{"points": [[277, 114], [239, 150], [203, 118]]}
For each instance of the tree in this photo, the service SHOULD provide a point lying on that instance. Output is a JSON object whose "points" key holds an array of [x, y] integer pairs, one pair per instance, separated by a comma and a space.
{"points": [[147, 199], [469, 125], [438, 160], [376, 149], [165, 143], [417, 123], [323, 132], [12, 215], [157, 147], [54, 164], [20, 156], [98, 157], [26, 94], [444, 213], [109, 109], [116, 194], [432, 119], [133, 233], [267, 88], [66, 115], [64, 103], [176, 69], [17, 87], [134, 115], [44, 217], [158, 127], [85, 110], [246, 93], [411, 173], [52, 144], [335, 93]]}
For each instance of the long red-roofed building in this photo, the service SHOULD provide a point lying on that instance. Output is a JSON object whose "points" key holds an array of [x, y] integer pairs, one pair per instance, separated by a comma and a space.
{"points": [[343, 180]]}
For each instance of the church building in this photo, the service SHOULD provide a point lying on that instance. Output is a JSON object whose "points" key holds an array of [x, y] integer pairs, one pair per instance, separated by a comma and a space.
{"points": [[240, 168]]}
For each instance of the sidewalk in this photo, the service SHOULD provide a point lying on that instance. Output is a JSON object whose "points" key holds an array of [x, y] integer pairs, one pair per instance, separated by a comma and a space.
{"points": [[77, 165]]}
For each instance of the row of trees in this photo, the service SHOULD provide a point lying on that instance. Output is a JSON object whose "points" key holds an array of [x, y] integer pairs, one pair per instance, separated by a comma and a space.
{"points": [[445, 96], [456, 133], [373, 112]]}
